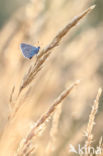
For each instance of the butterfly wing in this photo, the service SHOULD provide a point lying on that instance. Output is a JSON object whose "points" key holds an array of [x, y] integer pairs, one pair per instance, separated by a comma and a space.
{"points": [[28, 50]]}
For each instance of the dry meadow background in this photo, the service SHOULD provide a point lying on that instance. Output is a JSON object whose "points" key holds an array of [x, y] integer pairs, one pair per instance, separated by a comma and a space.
{"points": [[79, 56]]}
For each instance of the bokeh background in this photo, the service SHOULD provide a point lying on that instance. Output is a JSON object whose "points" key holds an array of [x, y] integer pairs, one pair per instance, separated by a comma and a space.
{"points": [[79, 56]]}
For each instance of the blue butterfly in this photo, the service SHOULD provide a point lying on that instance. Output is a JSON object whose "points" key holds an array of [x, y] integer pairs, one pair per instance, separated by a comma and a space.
{"points": [[28, 50]]}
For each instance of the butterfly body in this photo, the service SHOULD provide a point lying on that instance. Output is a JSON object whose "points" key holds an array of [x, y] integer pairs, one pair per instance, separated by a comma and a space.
{"points": [[28, 50]]}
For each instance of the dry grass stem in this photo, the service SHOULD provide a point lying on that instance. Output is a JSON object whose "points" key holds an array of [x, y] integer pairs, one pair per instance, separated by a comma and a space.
{"points": [[46, 51], [34, 69], [92, 118], [64, 31], [45, 116]]}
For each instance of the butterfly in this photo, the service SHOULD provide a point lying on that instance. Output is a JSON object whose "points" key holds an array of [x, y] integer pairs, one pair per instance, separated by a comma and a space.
{"points": [[28, 50]]}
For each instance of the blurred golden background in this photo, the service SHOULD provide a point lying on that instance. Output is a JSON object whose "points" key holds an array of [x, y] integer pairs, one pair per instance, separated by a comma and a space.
{"points": [[78, 56]]}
